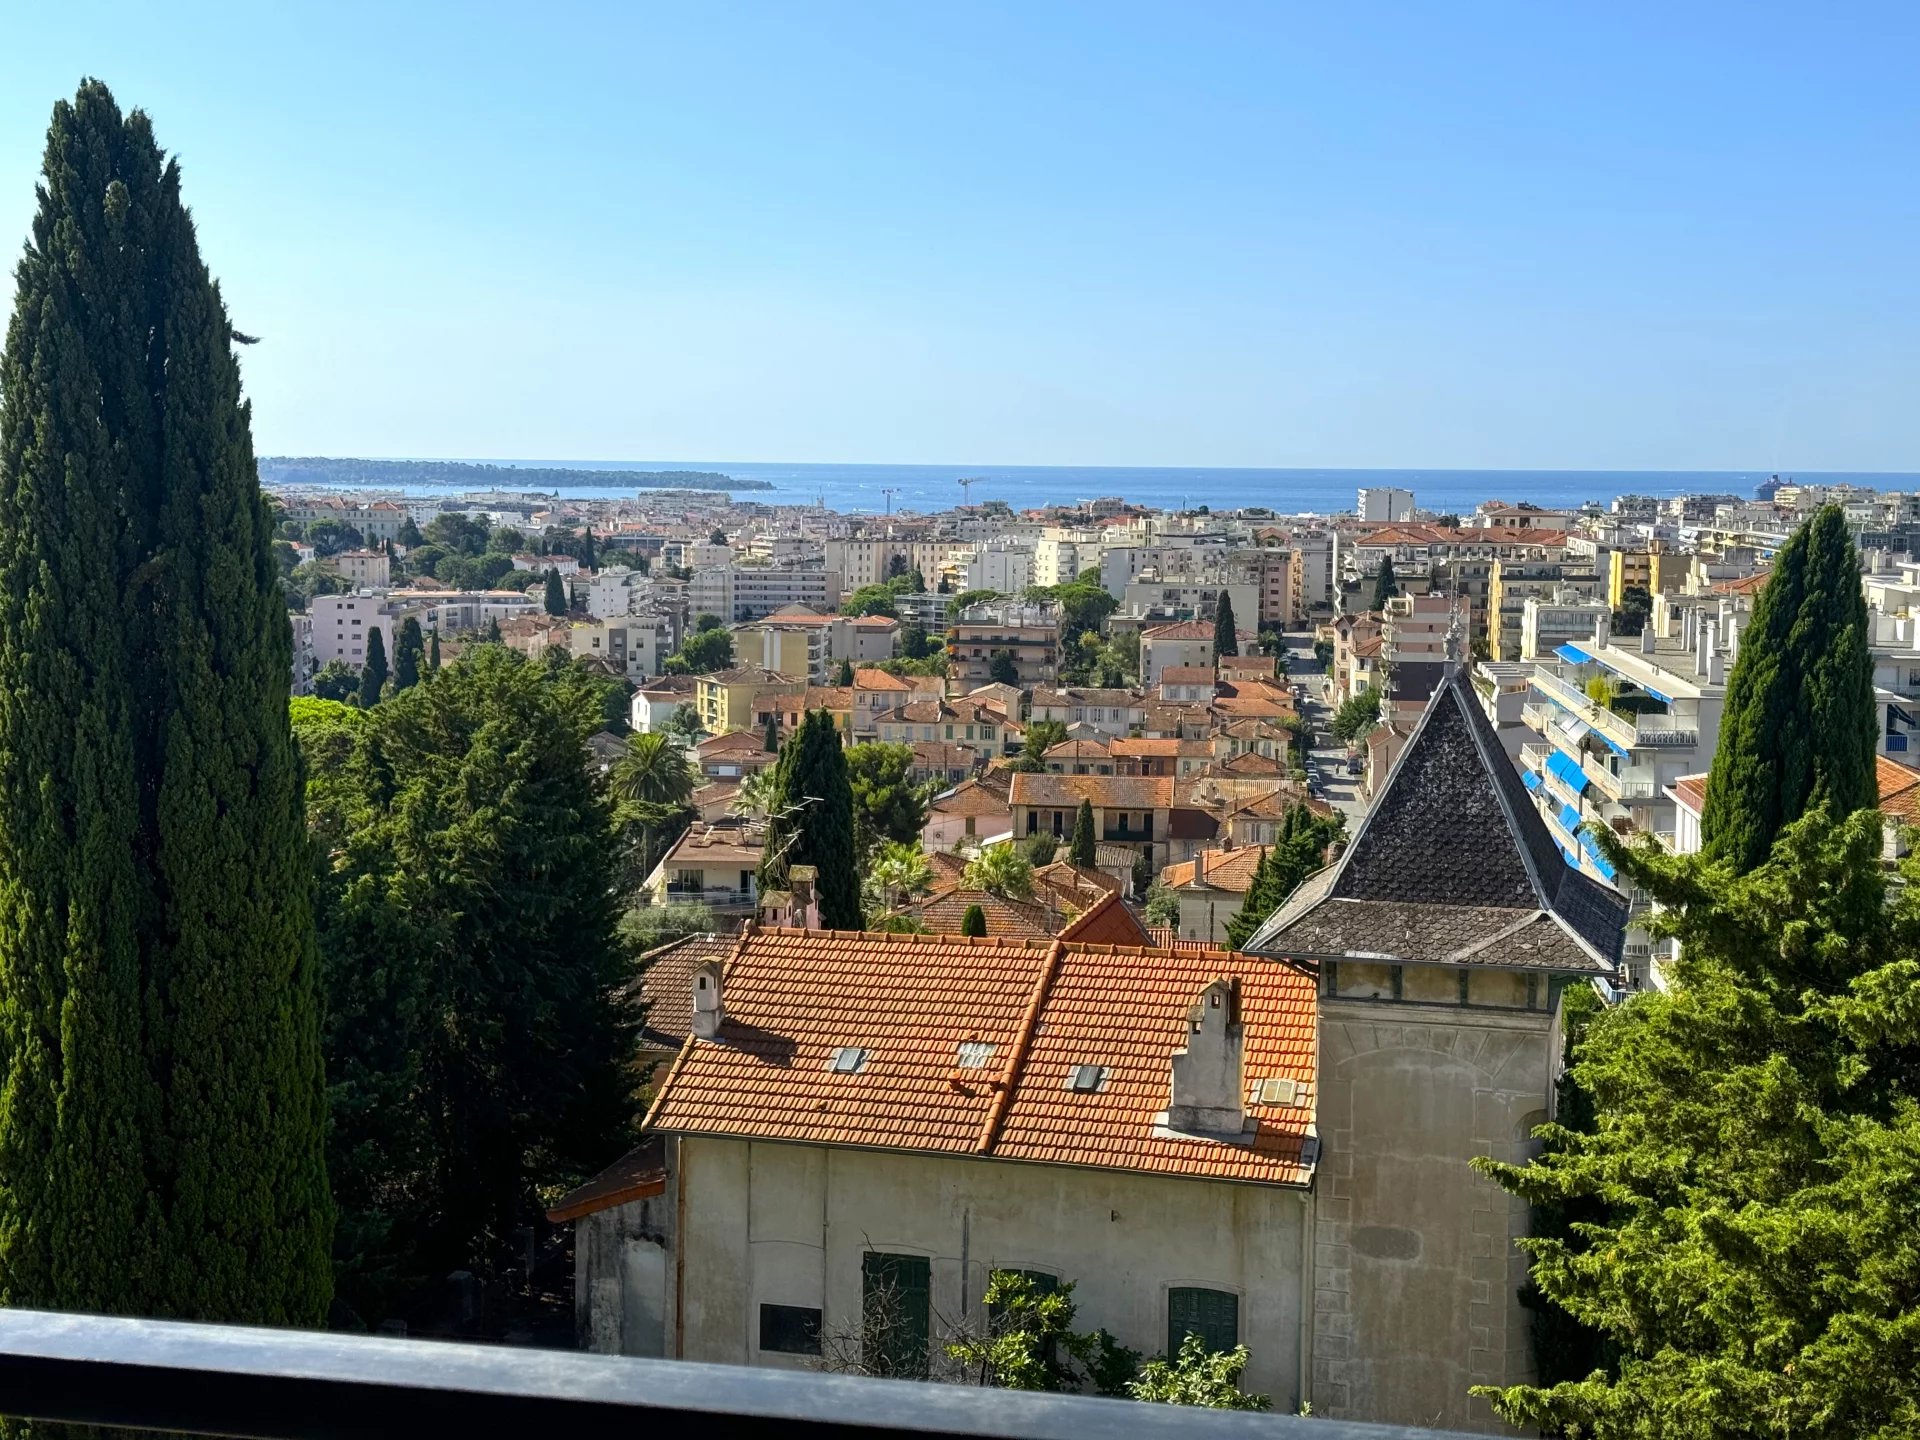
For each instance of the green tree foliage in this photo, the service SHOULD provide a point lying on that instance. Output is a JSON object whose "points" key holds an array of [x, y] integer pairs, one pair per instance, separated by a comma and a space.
{"points": [[887, 804], [310, 580], [410, 535], [433, 653], [1751, 1252], [974, 922], [336, 680], [705, 621], [913, 642], [812, 821], [686, 723], [1386, 584], [966, 599], [653, 771], [373, 674], [1799, 724], [1198, 1376], [896, 874], [409, 655], [162, 1103], [845, 675], [1001, 870], [869, 600], [1001, 669], [475, 1047], [1163, 905], [1040, 849], [1226, 634], [330, 537], [1323, 654], [1029, 1342], [1636, 605], [458, 534], [1356, 716], [896, 566], [1042, 735], [644, 927], [702, 654], [555, 595], [770, 740], [1083, 851], [1300, 850]]}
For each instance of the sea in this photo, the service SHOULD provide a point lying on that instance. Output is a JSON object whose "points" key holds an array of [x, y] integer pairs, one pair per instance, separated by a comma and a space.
{"points": [[855, 489]]}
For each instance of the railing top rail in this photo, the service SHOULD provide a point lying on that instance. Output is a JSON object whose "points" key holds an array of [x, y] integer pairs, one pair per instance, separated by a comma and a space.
{"points": [[230, 1380]]}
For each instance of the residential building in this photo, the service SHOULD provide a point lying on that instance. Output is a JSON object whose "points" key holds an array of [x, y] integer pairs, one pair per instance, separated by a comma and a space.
{"points": [[1385, 503], [751, 592], [928, 611], [727, 700], [1272, 571], [963, 721], [360, 568], [1311, 571], [565, 565], [1059, 555], [944, 912], [1003, 565], [340, 625], [1027, 634], [972, 811], [734, 756], [1129, 811], [1185, 644], [1499, 515], [1512, 582], [376, 520], [1111, 713], [657, 701], [712, 865], [1548, 622], [1211, 888]]}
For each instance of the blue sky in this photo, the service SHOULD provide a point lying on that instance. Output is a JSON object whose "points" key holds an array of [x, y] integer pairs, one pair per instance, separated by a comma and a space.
{"points": [[1462, 234]]}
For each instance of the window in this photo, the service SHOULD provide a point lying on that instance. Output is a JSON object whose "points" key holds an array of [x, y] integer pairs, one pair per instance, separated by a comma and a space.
{"points": [[848, 1060], [974, 1054], [790, 1329], [1213, 1315], [895, 1300], [1086, 1079]]}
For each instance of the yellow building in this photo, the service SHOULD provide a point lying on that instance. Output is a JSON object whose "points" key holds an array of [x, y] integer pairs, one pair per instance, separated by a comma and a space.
{"points": [[729, 699], [1657, 570]]}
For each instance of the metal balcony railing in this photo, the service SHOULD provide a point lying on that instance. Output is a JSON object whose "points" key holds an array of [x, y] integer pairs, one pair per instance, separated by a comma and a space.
{"points": [[291, 1385], [679, 894]]}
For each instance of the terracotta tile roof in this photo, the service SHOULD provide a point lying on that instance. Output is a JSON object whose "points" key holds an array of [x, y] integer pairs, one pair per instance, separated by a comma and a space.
{"points": [[1229, 870], [1082, 885], [794, 998], [1108, 922], [878, 680], [944, 911], [1187, 675], [828, 697], [1118, 792], [665, 985], [1079, 750], [637, 1174], [970, 797], [947, 867], [1165, 937], [1250, 762], [1899, 789], [731, 741], [944, 755], [1691, 791], [876, 622], [1185, 822], [1180, 630], [1138, 748], [1742, 585]]}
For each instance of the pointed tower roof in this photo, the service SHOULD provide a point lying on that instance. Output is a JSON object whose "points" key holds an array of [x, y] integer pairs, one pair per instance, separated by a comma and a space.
{"points": [[1453, 865]]}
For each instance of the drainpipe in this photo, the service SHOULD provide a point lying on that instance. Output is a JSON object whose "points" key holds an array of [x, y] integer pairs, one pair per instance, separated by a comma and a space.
{"points": [[1306, 1295]]}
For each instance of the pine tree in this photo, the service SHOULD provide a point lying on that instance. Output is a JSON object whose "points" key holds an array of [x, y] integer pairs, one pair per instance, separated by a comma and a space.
{"points": [[556, 596], [1385, 584], [433, 652], [811, 822], [1799, 725], [1082, 852], [974, 922], [373, 674], [1226, 637], [409, 653], [162, 1109]]}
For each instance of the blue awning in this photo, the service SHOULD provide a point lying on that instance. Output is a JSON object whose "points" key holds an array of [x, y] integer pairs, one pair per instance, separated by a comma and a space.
{"points": [[1570, 819], [1568, 772], [1573, 654], [1600, 862], [1663, 699], [1529, 779], [1619, 750]]}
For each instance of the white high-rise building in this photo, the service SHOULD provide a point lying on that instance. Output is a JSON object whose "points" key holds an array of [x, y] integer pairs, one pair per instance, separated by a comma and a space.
{"points": [[1385, 503]]}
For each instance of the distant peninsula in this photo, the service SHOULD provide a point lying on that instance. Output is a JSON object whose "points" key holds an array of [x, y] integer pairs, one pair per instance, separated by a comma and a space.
{"points": [[399, 474]]}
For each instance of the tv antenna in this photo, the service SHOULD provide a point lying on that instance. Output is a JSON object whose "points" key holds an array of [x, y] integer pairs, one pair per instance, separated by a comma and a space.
{"points": [[889, 491]]}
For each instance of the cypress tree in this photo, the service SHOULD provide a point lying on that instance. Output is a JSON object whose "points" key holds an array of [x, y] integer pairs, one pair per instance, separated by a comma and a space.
{"points": [[1082, 851], [770, 742], [1226, 635], [433, 652], [493, 630], [810, 821], [556, 597], [1798, 728], [161, 1103], [974, 922], [409, 652], [845, 675], [1385, 584], [373, 674]]}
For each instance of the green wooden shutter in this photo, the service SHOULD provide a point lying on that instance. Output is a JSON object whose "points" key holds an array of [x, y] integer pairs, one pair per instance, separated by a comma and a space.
{"points": [[1213, 1315], [899, 1346]]}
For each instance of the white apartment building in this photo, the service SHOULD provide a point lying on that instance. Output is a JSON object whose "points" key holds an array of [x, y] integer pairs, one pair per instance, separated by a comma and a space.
{"points": [[615, 591], [751, 592], [565, 564], [1311, 577], [1003, 565], [341, 624], [1059, 555], [1384, 503], [1545, 625], [361, 569]]}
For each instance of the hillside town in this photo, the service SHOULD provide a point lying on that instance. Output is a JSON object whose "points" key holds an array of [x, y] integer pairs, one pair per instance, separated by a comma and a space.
{"points": [[1330, 787]]}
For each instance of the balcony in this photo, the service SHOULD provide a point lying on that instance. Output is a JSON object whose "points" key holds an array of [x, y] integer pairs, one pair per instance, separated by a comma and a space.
{"points": [[1626, 731], [680, 893], [281, 1384]]}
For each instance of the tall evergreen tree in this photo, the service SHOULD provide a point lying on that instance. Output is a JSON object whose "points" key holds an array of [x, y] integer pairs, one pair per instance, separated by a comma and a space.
{"points": [[1226, 635], [409, 654], [373, 674], [845, 674], [770, 742], [556, 595], [1083, 850], [1798, 726], [162, 1110], [1385, 584], [811, 822], [433, 652], [974, 922]]}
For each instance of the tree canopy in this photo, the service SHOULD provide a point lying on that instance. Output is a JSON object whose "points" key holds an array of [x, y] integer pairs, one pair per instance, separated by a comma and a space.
{"points": [[1084, 850], [1386, 584], [887, 803], [1798, 727], [812, 823], [1226, 635]]}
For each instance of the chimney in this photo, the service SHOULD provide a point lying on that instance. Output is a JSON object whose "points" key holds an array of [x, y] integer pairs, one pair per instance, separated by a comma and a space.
{"points": [[707, 1013], [1733, 638], [801, 880], [1208, 1096], [1716, 668], [1705, 649], [1646, 638], [1602, 629]]}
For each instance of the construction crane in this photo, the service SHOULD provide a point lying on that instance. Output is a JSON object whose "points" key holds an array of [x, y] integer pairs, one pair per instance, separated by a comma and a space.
{"points": [[889, 491], [967, 482]]}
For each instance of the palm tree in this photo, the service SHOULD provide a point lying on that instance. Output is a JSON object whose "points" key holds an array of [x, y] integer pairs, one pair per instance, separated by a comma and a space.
{"points": [[755, 796], [654, 771], [1002, 870], [897, 874]]}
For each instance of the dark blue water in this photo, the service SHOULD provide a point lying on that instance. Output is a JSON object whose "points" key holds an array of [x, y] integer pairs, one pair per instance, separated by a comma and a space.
{"points": [[927, 488]]}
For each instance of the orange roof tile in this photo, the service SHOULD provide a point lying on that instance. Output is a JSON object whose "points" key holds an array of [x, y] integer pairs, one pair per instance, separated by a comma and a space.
{"points": [[970, 797], [792, 998], [944, 911], [1230, 870], [1899, 787], [1118, 792], [1108, 922]]}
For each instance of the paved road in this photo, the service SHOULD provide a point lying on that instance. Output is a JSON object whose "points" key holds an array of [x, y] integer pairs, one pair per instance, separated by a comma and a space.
{"points": [[1328, 762]]}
